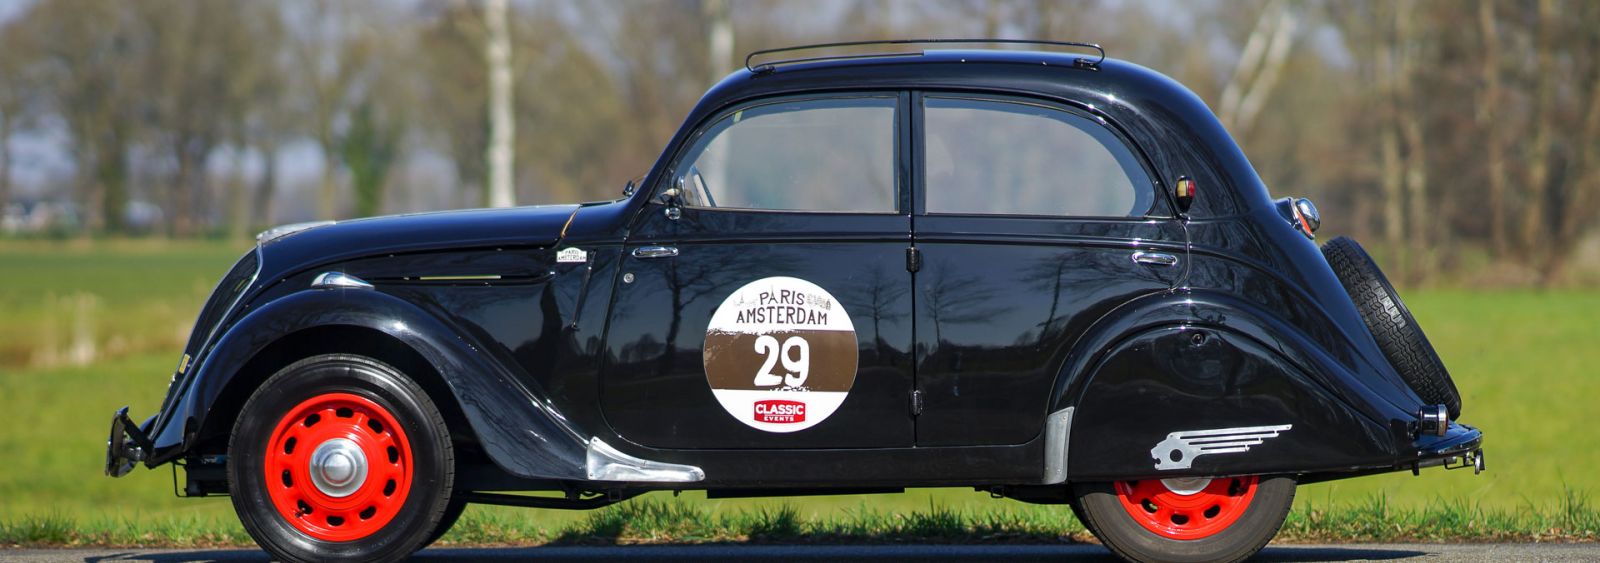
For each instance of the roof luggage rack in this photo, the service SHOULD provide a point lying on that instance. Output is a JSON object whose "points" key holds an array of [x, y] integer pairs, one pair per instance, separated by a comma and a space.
{"points": [[1082, 62]]}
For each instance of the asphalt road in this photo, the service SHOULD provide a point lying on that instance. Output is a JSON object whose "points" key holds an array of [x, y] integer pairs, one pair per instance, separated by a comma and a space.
{"points": [[1430, 553]]}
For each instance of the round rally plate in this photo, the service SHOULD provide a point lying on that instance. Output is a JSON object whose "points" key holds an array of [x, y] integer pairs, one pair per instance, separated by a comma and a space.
{"points": [[780, 354]]}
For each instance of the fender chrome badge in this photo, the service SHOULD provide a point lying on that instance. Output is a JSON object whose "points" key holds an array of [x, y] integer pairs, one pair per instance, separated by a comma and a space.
{"points": [[1180, 448], [572, 255]]}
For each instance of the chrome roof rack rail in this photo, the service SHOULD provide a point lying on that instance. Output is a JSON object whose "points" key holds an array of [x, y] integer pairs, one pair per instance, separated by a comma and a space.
{"points": [[768, 66]]}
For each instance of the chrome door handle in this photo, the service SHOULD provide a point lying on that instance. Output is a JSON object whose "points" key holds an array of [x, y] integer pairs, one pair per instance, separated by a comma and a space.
{"points": [[647, 252], [1155, 258]]}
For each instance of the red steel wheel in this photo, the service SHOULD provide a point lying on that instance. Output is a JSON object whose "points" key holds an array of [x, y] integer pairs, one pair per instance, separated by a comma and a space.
{"points": [[338, 467], [1187, 508]]}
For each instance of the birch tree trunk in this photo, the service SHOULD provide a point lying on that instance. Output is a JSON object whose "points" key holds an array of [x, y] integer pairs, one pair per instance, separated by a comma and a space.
{"points": [[719, 39], [1494, 140], [1544, 112], [502, 125], [1260, 64], [1409, 119], [1392, 178], [266, 184], [5, 160]]}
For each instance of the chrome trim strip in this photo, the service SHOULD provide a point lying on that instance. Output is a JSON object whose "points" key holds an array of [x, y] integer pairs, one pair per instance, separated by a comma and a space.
{"points": [[469, 277], [281, 231], [200, 353], [1057, 432], [339, 280]]}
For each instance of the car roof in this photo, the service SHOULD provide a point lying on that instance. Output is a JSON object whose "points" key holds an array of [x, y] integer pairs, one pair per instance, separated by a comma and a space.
{"points": [[1038, 72]]}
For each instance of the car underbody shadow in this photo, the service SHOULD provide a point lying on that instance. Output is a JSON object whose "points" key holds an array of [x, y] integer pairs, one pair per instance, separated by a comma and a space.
{"points": [[746, 552]]}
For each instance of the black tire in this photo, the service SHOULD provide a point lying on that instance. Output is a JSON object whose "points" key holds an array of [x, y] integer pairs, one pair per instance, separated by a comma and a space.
{"points": [[1077, 511], [1397, 333], [432, 460], [1118, 531], [451, 514]]}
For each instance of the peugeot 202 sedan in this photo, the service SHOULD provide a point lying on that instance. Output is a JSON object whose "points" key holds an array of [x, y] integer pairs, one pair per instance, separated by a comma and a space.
{"points": [[1049, 276]]}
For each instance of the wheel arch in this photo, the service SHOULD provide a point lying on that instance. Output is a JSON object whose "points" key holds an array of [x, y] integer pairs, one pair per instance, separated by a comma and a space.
{"points": [[1131, 357], [212, 435], [516, 430]]}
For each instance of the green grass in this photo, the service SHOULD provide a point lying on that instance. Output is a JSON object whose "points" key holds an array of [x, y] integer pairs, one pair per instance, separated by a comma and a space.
{"points": [[658, 521], [1528, 367], [1525, 362], [125, 297]]}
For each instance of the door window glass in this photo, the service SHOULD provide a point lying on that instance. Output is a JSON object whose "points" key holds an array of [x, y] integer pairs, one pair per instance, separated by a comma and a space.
{"points": [[997, 157], [834, 154]]}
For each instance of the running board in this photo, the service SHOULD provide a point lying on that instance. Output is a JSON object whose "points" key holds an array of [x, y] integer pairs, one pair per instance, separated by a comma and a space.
{"points": [[565, 503]]}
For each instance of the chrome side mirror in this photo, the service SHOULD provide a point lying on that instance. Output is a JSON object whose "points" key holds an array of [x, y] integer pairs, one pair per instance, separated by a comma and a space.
{"points": [[673, 198]]}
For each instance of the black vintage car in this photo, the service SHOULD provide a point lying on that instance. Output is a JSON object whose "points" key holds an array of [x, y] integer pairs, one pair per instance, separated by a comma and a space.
{"points": [[1049, 276]]}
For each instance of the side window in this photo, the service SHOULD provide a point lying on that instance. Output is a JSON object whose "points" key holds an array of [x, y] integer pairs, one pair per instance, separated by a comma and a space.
{"points": [[830, 154], [998, 157]]}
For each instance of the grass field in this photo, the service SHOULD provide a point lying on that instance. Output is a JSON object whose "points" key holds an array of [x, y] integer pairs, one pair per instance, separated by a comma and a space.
{"points": [[1525, 362]]}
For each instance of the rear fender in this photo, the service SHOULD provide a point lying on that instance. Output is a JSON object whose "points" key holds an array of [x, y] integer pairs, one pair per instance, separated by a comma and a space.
{"points": [[520, 433], [1196, 361]]}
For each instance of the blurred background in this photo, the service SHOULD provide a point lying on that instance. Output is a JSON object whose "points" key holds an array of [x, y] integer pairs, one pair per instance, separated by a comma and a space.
{"points": [[143, 143]]}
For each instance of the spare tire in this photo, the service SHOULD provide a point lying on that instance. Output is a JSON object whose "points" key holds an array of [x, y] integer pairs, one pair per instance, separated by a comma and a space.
{"points": [[1397, 333]]}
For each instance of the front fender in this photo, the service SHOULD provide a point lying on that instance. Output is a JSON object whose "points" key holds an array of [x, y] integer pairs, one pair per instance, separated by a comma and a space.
{"points": [[519, 431], [1195, 361]]}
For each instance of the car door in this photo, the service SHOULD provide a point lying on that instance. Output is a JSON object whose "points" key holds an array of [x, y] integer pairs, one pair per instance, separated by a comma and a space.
{"points": [[764, 301], [1034, 220]]}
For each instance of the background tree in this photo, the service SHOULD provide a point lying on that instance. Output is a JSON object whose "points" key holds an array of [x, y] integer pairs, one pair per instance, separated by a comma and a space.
{"points": [[1457, 139], [84, 50], [332, 49], [502, 124], [450, 56]]}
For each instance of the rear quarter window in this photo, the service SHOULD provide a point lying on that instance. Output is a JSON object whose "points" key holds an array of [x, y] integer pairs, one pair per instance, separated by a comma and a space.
{"points": [[986, 156]]}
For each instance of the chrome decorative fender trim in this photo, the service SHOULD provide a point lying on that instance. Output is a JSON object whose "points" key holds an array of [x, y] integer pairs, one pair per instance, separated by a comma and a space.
{"points": [[281, 231], [605, 463], [1180, 448], [336, 280], [1057, 430]]}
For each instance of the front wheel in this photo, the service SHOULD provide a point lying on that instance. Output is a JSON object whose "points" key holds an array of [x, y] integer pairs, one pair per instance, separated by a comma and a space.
{"points": [[1189, 519], [340, 458]]}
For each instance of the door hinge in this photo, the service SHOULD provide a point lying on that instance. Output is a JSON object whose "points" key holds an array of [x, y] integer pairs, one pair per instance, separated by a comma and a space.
{"points": [[913, 259], [916, 402]]}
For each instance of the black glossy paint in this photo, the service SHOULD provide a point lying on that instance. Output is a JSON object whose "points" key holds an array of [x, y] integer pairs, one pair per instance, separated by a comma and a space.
{"points": [[1006, 320], [654, 392]]}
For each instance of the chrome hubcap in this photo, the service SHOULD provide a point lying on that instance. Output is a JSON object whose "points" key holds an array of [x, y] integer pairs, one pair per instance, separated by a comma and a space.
{"points": [[1186, 485], [338, 467]]}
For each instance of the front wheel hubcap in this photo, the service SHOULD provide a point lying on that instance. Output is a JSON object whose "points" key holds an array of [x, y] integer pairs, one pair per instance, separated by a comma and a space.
{"points": [[1187, 508], [338, 467]]}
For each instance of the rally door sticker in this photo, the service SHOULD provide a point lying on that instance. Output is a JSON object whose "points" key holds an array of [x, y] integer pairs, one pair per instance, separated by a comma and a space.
{"points": [[780, 354]]}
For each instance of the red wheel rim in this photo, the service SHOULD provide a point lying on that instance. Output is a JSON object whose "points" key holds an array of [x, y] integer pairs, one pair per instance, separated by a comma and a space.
{"points": [[1187, 511], [364, 473]]}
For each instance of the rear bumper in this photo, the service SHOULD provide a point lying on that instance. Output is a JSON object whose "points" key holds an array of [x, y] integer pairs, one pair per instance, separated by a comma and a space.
{"points": [[1461, 446], [127, 446]]}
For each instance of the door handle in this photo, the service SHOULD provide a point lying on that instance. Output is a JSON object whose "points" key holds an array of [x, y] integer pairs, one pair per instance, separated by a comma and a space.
{"points": [[1155, 258], [647, 252]]}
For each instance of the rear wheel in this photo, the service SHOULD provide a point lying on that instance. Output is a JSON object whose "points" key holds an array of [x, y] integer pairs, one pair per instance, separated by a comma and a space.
{"points": [[1186, 519], [340, 457]]}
